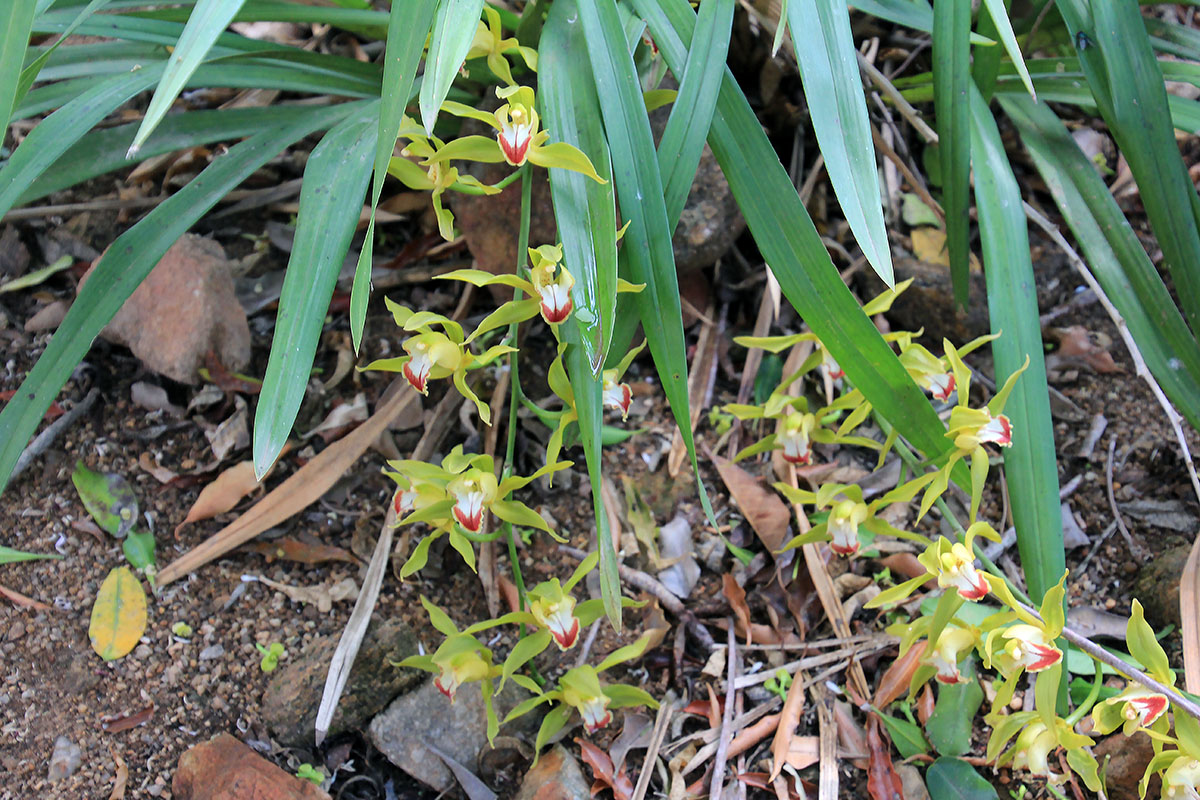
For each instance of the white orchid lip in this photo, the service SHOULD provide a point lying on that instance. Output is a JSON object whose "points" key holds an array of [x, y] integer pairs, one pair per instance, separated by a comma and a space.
{"points": [[947, 669], [1146, 709], [468, 508], [941, 386], [514, 139], [845, 536], [556, 302], [416, 369], [447, 683], [1030, 649], [564, 627], [404, 501], [595, 713], [958, 572], [998, 431], [618, 396], [797, 448]]}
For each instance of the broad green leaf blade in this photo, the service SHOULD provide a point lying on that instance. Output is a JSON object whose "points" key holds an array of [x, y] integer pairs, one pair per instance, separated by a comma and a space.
{"points": [[951, 80], [208, 21], [1113, 252], [791, 245], [108, 498], [833, 88], [682, 141], [647, 247], [30, 73], [1128, 86], [954, 779], [953, 719], [118, 615], [335, 181], [453, 29], [128, 261], [585, 210], [998, 15], [103, 150], [915, 14], [46, 142], [1030, 466], [408, 26], [16, 22]]}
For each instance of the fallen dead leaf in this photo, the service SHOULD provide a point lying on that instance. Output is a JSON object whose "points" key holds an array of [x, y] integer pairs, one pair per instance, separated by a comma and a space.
{"points": [[603, 774], [898, 676], [126, 722], [803, 751], [736, 596], [1077, 344], [340, 418], [883, 782], [789, 718], [21, 600], [121, 778], [925, 704], [160, 473], [302, 552], [761, 507], [321, 595], [232, 434], [222, 494], [929, 245]]}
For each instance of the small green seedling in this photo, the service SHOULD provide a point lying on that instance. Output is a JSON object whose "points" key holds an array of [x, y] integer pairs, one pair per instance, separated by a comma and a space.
{"points": [[779, 683], [308, 772], [182, 630], [271, 656]]}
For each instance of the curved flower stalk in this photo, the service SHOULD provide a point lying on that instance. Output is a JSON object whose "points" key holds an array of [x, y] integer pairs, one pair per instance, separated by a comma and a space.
{"points": [[433, 173], [1137, 708], [434, 354], [463, 659], [518, 136], [456, 497], [971, 429], [581, 690], [489, 43], [848, 513], [951, 563]]}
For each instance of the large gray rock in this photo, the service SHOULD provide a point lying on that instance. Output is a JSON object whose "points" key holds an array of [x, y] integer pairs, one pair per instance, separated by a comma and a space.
{"points": [[458, 729], [184, 308], [294, 693], [1157, 585]]}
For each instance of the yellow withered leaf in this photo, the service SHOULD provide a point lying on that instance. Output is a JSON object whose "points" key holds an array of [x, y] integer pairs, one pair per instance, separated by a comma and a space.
{"points": [[118, 615]]}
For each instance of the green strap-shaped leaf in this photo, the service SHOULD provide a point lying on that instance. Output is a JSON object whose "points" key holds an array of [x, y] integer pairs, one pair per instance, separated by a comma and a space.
{"points": [[987, 59], [408, 26], [1113, 252], [30, 73], [833, 88], [586, 215], [1129, 90], [453, 29], [60, 130], [1030, 466], [915, 14], [128, 261], [16, 22], [791, 245], [208, 21], [682, 141], [951, 80], [647, 247], [335, 180], [585, 210]]}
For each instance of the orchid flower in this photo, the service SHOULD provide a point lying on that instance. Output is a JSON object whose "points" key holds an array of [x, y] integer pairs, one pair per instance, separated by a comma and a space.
{"points": [[580, 690], [1137, 708], [848, 513], [434, 354], [433, 174], [952, 644], [1038, 735], [1181, 780], [518, 138], [489, 43], [798, 428]]}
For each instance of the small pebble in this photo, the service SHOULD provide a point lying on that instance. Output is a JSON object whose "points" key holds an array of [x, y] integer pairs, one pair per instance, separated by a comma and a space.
{"points": [[213, 651], [65, 759]]}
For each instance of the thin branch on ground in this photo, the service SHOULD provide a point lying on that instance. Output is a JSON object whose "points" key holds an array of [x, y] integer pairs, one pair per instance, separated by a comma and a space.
{"points": [[1112, 500], [42, 442], [718, 778]]}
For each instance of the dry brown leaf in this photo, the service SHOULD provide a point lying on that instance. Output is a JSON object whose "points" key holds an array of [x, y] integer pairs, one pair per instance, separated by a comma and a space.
{"points": [[852, 739], [789, 718], [1076, 343], [929, 245], [896, 680], [301, 552], [232, 434], [322, 595], [761, 506], [883, 782], [125, 722], [293, 495], [21, 600], [159, 472], [803, 751], [925, 704], [121, 778], [655, 626], [753, 734], [736, 596], [222, 494], [340, 418], [905, 565], [602, 772]]}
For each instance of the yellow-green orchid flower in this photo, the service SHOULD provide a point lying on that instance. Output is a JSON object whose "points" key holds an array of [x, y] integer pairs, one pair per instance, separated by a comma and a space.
{"points": [[1037, 737], [848, 513], [518, 137], [951, 563], [1137, 708], [489, 43]]}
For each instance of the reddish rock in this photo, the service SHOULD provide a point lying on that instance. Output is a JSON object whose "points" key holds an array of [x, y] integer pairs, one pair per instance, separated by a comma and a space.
{"points": [[184, 308], [1127, 758], [556, 776], [225, 769]]}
